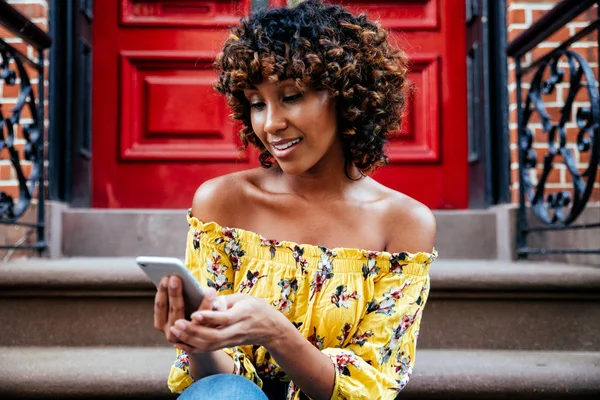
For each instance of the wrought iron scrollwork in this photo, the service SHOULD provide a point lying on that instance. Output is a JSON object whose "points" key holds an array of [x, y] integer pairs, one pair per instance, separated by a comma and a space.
{"points": [[28, 133], [563, 207], [32, 134]]}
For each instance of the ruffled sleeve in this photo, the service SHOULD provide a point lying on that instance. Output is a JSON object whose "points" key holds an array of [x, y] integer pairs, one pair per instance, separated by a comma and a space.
{"points": [[376, 363], [213, 260]]}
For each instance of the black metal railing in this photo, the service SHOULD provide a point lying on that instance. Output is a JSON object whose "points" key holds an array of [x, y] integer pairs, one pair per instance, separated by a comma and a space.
{"points": [[556, 210], [15, 67]]}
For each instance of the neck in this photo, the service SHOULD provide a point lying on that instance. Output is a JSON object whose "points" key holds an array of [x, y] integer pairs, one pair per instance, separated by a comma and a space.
{"points": [[326, 180]]}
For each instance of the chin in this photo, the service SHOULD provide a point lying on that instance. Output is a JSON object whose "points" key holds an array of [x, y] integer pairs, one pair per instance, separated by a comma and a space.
{"points": [[292, 168]]}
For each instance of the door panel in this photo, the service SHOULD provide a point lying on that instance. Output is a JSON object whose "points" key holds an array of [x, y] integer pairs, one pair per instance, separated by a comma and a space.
{"points": [[160, 130]]}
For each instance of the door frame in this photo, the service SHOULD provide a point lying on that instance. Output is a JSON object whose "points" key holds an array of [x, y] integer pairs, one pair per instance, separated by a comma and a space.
{"points": [[487, 99], [69, 98]]}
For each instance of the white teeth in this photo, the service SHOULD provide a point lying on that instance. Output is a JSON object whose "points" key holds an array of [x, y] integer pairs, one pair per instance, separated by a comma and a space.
{"points": [[287, 145]]}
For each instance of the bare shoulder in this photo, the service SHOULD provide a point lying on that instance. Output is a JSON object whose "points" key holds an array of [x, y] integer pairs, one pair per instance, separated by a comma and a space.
{"points": [[410, 225], [222, 199]]}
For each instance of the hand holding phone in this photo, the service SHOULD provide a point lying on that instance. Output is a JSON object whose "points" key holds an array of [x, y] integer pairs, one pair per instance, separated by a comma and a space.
{"points": [[158, 267]]}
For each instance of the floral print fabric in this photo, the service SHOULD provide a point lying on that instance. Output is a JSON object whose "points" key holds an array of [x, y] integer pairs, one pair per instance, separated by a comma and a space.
{"points": [[362, 309]]}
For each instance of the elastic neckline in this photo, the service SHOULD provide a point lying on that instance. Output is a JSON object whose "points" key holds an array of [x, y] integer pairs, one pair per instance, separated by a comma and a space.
{"points": [[311, 250]]}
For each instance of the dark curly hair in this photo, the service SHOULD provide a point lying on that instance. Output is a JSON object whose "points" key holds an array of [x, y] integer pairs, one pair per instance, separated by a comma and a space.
{"points": [[324, 47]]}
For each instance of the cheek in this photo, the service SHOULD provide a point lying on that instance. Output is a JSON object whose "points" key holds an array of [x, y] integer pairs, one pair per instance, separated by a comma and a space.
{"points": [[257, 123]]}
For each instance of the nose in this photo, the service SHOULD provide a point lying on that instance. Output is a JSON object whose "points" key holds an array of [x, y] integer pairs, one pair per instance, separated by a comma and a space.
{"points": [[275, 120]]}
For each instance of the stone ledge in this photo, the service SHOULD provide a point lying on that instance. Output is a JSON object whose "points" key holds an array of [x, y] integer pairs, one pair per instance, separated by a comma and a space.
{"points": [[121, 372], [498, 374], [70, 372], [87, 273], [98, 274]]}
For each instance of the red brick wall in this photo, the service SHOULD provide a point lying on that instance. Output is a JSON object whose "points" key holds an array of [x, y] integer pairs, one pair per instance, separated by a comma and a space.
{"points": [[520, 15], [37, 11]]}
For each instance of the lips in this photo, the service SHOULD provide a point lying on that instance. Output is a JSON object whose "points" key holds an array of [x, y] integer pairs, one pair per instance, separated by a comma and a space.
{"points": [[285, 144], [284, 147]]}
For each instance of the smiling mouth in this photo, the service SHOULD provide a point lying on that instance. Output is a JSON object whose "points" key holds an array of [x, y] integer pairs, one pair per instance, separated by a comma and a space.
{"points": [[286, 145]]}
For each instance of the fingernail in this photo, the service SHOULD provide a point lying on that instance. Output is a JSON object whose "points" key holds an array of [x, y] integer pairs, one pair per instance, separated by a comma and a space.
{"points": [[180, 324], [173, 283], [175, 331], [197, 316]]}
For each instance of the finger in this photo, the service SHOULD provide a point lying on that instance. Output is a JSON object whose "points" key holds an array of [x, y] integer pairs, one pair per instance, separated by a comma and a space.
{"points": [[203, 335], [215, 318], [187, 333], [210, 295], [176, 305], [161, 305], [220, 339]]}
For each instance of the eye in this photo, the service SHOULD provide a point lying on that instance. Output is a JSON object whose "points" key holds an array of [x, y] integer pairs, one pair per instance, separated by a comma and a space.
{"points": [[292, 99], [258, 105]]}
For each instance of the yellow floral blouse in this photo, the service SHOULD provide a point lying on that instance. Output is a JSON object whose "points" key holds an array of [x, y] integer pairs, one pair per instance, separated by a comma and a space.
{"points": [[362, 309]]}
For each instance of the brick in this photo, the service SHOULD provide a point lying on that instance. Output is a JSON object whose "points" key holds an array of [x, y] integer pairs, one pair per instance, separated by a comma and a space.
{"points": [[582, 95], [560, 36], [514, 156], [572, 134], [513, 135], [537, 13], [26, 168], [513, 96], [5, 33], [43, 25], [11, 190], [569, 177], [590, 37], [10, 91], [515, 17], [4, 155], [555, 176], [33, 10], [21, 47], [584, 158], [554, 112], [5, 172], [512, 35], [587, 16]]}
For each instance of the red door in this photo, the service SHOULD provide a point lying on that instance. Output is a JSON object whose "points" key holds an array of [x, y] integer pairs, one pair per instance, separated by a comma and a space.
{"points": [[159, 130]]}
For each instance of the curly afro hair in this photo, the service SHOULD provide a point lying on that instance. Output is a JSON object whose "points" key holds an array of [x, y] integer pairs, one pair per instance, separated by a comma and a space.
{"points": [[324, 47]]}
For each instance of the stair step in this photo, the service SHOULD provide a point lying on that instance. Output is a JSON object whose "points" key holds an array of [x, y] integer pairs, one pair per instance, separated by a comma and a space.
{"points": [[84, 372], [99, 273], [129, 372], [108, 301], [502, 374]]}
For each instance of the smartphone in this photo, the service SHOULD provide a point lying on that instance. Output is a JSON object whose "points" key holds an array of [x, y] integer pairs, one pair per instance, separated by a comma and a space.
{"points": [[158, 267]]}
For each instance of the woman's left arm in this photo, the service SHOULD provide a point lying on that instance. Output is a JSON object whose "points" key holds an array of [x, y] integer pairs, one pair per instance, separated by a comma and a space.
{"points": [[251, 320]]}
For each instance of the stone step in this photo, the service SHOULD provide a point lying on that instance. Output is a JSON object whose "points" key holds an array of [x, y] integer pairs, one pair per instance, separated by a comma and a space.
{"points": [[138, 372], [473, 305]]}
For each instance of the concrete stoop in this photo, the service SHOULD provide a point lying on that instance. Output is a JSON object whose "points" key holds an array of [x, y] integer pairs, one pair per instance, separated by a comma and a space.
{"points": [[139, 373], [82, 328]]}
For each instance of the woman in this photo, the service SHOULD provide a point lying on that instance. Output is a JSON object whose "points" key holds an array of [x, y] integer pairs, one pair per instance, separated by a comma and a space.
{"points": [[318, 91]]}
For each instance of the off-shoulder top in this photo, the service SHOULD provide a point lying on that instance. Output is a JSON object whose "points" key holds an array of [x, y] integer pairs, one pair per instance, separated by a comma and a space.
{"points": [[361, 308]]}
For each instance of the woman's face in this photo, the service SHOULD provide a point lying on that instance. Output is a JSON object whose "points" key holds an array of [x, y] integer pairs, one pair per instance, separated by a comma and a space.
{"points": [[298, 129]]}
